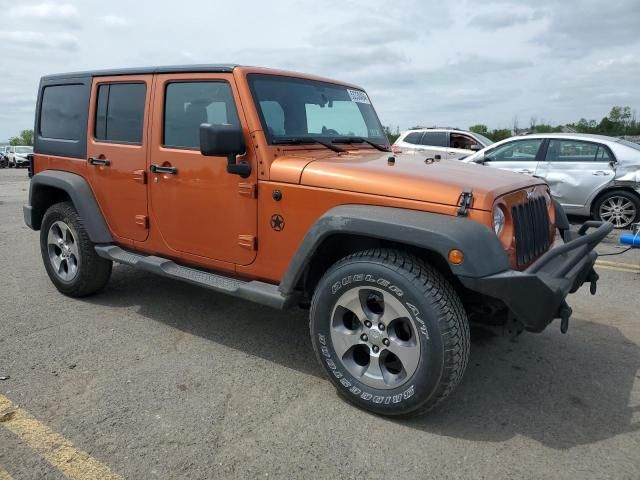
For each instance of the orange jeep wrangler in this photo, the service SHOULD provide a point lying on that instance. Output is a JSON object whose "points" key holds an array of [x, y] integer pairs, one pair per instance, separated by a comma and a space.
{"points": [[280, 188]]}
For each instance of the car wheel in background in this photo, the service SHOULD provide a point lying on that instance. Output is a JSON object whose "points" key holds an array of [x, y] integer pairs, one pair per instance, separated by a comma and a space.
{"points": [[619, 207]]}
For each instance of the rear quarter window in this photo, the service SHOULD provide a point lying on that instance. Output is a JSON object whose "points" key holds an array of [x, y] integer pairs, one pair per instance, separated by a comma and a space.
{"points": [[61, 112], [413, 137]]}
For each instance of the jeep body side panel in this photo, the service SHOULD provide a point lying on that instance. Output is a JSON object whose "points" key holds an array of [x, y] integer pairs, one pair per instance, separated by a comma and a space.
{"points": [[80, 194], [484, 255]]}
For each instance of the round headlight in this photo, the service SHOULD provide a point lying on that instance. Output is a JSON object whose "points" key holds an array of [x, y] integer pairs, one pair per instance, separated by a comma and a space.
{"points": [[498, 219]]}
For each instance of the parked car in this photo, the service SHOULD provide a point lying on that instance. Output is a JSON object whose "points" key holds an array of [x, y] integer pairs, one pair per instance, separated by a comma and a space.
{"points": [[280, 188], [4, 159], [590, 175], [447, 143], [19, 156]]}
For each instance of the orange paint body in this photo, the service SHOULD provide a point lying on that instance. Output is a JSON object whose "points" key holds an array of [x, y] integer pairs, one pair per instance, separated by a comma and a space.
{"points": [[214, 220]]}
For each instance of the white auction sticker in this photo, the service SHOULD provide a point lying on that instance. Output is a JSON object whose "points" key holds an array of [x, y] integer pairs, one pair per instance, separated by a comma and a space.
{"points": [[358, 96]]}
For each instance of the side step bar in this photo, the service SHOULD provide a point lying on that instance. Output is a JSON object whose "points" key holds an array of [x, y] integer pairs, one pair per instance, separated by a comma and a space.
{"points": [[259, 292]]}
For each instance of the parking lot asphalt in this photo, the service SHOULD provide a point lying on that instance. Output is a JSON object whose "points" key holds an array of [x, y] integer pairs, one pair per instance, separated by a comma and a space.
{"points": [[159, 379]]}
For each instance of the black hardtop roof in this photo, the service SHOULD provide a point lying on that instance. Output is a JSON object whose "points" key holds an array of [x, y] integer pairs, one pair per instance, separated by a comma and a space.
{"points": [[221, 68]]}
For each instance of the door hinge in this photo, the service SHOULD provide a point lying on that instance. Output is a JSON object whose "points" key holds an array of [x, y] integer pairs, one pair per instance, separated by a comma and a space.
{"points": [[143, 221], [248, 189], [464, 202], [248, 241], [140, 176]]}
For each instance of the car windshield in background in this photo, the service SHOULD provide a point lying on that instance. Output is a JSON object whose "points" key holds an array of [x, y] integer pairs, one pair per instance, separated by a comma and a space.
{"points": [[299, 109], [24, 149], [484, 140], [629, 144]]}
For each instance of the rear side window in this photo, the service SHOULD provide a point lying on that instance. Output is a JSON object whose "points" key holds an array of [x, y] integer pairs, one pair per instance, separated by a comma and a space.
{"points": [[120, 112], [413, 137], [61, 114], [572, 151], [190, 104], [435, 139]]}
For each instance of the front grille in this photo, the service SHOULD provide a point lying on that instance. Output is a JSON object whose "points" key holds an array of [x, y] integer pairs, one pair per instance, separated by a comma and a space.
{"points": [[531, 228]]}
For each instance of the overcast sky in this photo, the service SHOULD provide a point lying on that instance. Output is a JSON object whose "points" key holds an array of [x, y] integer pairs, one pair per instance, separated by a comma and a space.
{"points": [[425, 62]]}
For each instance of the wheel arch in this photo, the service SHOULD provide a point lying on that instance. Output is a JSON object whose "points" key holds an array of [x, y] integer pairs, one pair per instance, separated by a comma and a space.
{"points": [[52, 186], [350, 228]]}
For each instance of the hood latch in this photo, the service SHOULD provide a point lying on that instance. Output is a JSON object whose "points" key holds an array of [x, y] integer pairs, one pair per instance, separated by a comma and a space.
{"points": [[464, 202]]}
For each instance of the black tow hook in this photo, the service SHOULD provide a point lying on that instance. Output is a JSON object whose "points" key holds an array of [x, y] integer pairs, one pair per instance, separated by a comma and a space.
{"points": [[593, 281], [565, 313]]}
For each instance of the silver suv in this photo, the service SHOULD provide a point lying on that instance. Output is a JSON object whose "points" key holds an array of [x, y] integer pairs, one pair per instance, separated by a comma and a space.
{"points": [[590, 175], [445, 142]]}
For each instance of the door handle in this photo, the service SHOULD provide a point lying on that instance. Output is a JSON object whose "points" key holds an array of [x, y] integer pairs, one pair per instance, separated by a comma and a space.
{"points": [[438, 157], [600, 173], [99, 161], [525, 170], [158, 169], [451, 153]]}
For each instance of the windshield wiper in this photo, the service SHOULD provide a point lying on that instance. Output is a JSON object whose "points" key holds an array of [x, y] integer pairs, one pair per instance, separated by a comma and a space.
{"points": [[303, 140], [382, 148]]}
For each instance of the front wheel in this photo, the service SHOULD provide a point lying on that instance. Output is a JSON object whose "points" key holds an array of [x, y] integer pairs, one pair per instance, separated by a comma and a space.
{"points": [[390, 331]]}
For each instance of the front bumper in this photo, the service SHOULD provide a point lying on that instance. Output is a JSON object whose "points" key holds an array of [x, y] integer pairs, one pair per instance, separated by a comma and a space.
{"points": [[21, 162], [537, 295]]}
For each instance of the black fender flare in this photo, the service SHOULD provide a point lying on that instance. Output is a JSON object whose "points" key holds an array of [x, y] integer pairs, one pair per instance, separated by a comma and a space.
{"points": [[80, 193], [483, 253]]}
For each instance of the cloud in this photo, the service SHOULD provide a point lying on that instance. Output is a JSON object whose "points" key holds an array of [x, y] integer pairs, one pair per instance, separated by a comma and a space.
{"points": [[115, 21], [500, 19], [40, 40], [62, 13]]}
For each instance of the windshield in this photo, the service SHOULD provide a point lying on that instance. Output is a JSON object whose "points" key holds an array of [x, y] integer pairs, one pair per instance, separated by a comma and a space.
{"points": [[24, 149], [629, 144], [308, 109], [484, 140]]}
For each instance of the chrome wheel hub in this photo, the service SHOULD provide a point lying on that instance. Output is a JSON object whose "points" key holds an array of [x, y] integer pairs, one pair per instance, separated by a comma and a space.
{"points": [[63, 251], [375, 338]]}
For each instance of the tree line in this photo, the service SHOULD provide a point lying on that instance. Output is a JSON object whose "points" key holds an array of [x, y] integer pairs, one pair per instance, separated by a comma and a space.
{"points": [[620, 121]]}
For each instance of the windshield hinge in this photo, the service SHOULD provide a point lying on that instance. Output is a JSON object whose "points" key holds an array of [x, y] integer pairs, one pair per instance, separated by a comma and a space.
{"points": [[464, 202]]}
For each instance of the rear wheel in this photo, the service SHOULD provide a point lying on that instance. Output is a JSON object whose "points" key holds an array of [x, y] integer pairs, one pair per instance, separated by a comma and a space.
{"points": [[390, 332], [68, 254], [618, 207]]}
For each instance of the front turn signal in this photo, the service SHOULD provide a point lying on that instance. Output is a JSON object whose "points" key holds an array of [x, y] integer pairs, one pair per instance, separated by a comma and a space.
{"points": [[456, 256]]}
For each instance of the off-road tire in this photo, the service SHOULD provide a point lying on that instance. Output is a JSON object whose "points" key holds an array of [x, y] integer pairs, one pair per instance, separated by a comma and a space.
{"points": [[93, 272], [627, 198], [434, 306]]}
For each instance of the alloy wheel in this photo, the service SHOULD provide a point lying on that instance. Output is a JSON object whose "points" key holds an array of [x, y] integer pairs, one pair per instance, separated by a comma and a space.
{"points": [[375, 338], [63, 251], [618, 210]]}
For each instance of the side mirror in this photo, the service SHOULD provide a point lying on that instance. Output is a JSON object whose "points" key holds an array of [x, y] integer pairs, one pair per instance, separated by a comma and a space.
{"points": [[475, 148], [218, 140]]}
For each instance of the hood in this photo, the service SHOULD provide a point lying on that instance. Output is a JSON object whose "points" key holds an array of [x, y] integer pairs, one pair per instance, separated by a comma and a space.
{"points": [[409, 177]]}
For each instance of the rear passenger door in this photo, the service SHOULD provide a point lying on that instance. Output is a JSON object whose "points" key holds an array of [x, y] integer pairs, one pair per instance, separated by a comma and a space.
{"points": [[200, 208], [117, 152], [575, 170], [519, 156]]}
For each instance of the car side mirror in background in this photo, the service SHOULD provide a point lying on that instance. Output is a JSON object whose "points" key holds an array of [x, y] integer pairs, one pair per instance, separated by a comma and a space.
{"points": [[218, 140], [475, 148]]}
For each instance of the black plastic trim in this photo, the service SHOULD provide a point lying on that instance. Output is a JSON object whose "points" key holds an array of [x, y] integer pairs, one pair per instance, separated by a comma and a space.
{"points": [[80, 194], [483, 253], [197, 68], [536, 296]]}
